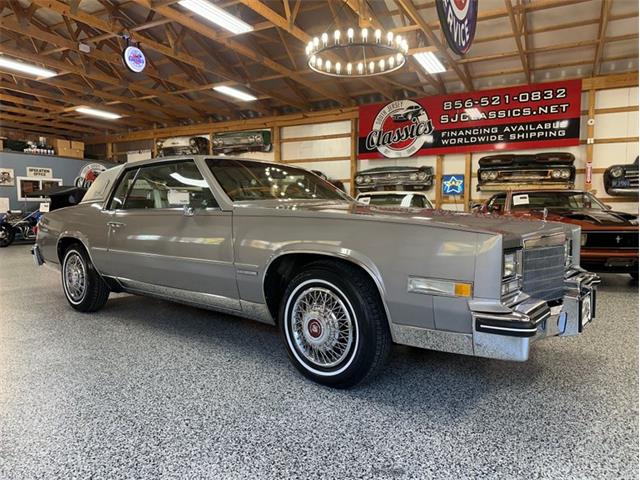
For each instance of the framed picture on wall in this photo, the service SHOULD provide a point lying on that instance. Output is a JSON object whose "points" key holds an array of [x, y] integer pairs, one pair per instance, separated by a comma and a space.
{"points": [[7, 177], [26, 185]]}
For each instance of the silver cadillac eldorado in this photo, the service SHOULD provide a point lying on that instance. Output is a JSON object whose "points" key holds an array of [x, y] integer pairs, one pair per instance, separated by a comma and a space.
{"points": [[341, 280]]}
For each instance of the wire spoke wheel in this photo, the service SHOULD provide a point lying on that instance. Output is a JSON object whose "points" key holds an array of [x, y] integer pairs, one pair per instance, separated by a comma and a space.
{"points": [[322, 327], [75, 277]]}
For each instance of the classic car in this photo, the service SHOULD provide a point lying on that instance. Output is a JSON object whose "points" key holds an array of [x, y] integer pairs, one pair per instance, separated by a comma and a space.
{"points": [[394, 178], [278, 244], [622, 179], [513, 171], [609, 239], [183, 146], [395, 199], [236, 142], [335, 182], [408, 113]]}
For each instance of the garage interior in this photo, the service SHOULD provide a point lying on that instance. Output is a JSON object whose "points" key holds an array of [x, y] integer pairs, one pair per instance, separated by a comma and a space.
{"points": [[147, 388]]}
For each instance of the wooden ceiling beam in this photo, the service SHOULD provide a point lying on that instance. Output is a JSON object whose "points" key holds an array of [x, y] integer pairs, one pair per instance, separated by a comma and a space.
{"points": [[415, 16], [36, 116], [605, 11], [138, 118], [238, 47], [517, 34], [164, 50], [37, 129]]}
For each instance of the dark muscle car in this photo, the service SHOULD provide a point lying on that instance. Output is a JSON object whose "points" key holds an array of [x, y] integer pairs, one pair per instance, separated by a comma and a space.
{"points": [[394, 178], [622, 179], [236, 142], [511, 171], [609, 239]]}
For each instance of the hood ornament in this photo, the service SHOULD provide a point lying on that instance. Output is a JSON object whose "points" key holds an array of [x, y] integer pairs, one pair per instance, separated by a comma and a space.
{"points": [[545, 212]]}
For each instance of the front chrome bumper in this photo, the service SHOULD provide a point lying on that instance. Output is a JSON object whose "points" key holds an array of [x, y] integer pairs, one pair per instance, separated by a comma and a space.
{"points": [[508, 336]]}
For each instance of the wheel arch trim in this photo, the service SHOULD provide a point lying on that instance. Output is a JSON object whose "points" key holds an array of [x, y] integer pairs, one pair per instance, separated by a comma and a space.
{"points": [[347, 255]]}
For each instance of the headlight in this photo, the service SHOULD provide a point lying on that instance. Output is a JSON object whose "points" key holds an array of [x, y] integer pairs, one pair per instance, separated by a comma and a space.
{"points": [[565, 173], [493, 175], [510, 267], [583, 239], [413, 177], [617, 172], [367, 180], [422, 176], [556, 173], [359, 179]]}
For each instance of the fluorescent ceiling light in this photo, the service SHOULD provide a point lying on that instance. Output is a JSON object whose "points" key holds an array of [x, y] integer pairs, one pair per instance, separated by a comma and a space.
{"points": [[234, 92], [217, 15], [9, 63], [429, 62], [98, 113]]}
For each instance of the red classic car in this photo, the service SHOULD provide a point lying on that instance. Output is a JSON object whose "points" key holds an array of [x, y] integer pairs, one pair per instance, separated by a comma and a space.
{"points": [[609, 239]]}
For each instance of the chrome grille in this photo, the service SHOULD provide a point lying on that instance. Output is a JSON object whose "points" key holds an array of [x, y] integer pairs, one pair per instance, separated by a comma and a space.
{"points": [[633, 178], [543, 272]]}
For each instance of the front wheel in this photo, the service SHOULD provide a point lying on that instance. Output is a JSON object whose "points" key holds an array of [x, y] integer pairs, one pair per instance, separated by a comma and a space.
{"points": [[334, 325], [7, 235], [85, 290]]}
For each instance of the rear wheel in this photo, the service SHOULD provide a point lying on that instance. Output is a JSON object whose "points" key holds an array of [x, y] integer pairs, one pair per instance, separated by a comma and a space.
{"points": [[334, 325], [7, 235], [85, 290]]}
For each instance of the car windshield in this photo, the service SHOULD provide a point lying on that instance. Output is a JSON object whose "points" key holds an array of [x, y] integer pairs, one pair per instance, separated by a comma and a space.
{"points": [[396, 200], [555, 201], [246, 180]]}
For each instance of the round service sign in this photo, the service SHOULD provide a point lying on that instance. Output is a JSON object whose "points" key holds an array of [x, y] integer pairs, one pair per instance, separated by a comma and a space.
{"points": [[88, 174], [458, 21], [134, 59], [400, 129]]}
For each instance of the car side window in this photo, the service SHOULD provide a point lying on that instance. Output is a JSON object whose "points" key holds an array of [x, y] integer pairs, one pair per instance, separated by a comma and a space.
{"points": [[496, 204], [169, 185], [117, 201], [418, 201]]}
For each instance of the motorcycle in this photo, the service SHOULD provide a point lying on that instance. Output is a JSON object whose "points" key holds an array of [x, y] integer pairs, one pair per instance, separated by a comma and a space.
{"points": [[13, 225]]}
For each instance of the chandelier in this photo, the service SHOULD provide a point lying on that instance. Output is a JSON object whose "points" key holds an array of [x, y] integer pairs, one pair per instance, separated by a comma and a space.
{"points": [[365, 54]]}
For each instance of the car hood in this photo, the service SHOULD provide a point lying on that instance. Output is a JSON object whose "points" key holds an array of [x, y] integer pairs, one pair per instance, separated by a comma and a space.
{"points": [[587, 218], [493, 224]]}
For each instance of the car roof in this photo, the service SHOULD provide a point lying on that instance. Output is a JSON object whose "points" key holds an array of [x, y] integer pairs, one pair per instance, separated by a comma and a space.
{"points": [[192, 157]]}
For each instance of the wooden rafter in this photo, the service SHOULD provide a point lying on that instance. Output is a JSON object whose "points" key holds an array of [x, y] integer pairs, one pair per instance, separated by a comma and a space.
{"points": [[517, 33], [412, 12], [242, 49], [602, 34]]}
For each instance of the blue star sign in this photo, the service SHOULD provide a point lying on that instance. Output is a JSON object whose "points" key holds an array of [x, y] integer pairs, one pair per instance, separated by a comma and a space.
{"points": [[453, 184]]}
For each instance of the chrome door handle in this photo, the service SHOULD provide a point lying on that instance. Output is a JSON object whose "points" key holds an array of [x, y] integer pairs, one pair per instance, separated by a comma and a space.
{"points": [[116, 224]]}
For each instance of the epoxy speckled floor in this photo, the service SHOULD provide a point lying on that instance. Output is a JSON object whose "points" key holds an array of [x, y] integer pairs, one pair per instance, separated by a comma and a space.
{"points": [[150, 389]]}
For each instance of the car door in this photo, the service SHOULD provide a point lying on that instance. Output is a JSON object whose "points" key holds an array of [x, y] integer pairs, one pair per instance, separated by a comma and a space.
{"points": [[168, 235]]}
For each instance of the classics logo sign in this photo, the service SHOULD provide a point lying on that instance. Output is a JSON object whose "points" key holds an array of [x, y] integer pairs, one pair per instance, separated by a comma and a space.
{"points": [[400, 129], [88, 174], [510, 118], [134, 59], [458, 21]]}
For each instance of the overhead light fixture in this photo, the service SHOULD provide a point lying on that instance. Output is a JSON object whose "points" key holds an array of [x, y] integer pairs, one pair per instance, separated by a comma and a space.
{"points": [[370, 53], [429, 62], [11, 64], [217, 15], [234, 92], [98, 113]]}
